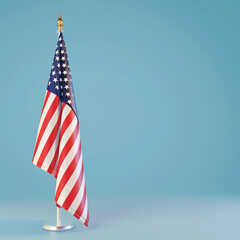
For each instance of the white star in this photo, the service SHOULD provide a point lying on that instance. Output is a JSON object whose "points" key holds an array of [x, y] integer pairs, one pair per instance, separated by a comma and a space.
{"points": [[49, 83], [64, 72], [60, 80], [61, 87], [67, 87], [62, 51], [64, 65], [65, 79], [52, 66], [55, 80], [63, 58], [60, 39], [57, 87], [57, 52], [61, 45], [69, 101], [58, 65], [67, 94], [59, 72], [53, 73], [62, 93], [57, 58]]}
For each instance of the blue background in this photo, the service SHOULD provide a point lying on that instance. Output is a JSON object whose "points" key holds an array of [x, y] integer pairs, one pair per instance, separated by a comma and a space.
{"points": [[157, 91]]}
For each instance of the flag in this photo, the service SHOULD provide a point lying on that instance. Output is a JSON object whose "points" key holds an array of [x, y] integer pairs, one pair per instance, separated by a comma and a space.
{"points": [[58, 146]]}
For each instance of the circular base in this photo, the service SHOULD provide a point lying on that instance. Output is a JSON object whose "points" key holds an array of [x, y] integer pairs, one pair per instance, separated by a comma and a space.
{"points": [[57, 228]]}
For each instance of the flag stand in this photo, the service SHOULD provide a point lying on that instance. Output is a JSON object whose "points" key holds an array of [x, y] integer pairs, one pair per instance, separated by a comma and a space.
{"points": [[58, 226], [55, 95]]}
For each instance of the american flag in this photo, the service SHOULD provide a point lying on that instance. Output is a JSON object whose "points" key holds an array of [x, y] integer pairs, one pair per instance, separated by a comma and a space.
{"points": [[58, 146]]}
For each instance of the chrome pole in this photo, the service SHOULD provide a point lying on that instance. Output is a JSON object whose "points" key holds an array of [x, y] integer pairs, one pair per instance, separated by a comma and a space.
{"points": [[58, 217]]}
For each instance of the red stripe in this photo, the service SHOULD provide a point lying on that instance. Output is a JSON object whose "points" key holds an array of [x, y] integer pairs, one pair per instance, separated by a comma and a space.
{"points": [[68, 146], [48, 117], [63, 154], [53, 166], [72, 195], [67, 122], [44, 104], [87, 219], [81, 207], [49, 143], [45, 101]]}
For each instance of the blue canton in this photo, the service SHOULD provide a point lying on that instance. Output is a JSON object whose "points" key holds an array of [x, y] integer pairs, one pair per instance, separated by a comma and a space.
{"points": [[60, 81]]}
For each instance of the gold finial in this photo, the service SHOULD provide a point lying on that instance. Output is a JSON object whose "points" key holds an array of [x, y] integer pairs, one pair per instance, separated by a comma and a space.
{"points": [[60, 22]]}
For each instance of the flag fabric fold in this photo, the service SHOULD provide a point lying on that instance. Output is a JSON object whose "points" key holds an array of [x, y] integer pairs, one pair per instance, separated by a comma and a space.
{"points": [[58, 146]]}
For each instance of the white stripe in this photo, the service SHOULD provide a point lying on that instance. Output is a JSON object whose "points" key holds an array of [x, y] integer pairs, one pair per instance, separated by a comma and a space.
{"points": [[65, 112], [67, 134], [84, 214], [70, 184], [76, 202], [46, 108], [47, 132], [49, 158], [68, 159]]}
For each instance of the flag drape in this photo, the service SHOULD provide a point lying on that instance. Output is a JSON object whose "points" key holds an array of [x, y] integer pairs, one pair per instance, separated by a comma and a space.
{"points": [[58, 146]]}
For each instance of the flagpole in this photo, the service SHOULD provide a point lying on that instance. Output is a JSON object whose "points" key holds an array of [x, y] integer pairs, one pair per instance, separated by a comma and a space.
{"points": [[58, 217], [59, 226]]}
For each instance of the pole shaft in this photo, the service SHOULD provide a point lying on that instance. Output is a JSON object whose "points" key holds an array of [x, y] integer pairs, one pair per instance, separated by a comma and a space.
{"points": [[58, 217]]}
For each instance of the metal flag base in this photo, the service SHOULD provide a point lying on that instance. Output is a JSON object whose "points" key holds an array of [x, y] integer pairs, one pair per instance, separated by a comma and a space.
{"points": [[58, 226]]}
